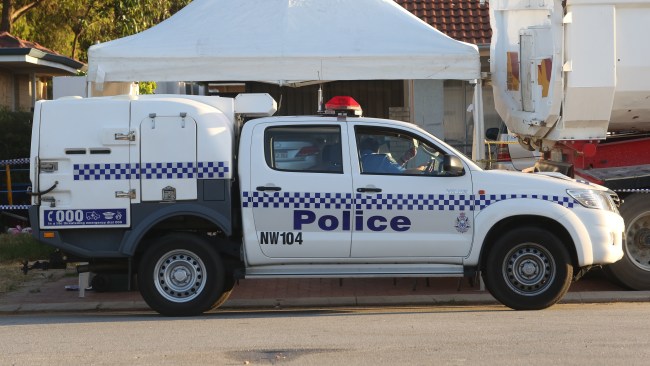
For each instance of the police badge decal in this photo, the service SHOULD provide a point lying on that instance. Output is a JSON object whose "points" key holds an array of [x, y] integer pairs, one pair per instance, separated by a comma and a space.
{"points": [[462, 223]]}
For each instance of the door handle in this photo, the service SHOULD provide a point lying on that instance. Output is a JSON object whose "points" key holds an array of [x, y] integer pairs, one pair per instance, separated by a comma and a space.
{"points": [[130, 194], [368, 189], [50, 200], [268, 188]]}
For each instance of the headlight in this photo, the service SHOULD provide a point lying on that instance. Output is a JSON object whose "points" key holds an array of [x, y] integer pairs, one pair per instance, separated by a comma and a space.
{"points": [[590, 198]]}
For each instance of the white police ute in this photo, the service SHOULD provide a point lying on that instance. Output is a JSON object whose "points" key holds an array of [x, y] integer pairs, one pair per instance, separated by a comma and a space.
{"points": [[179, 191]]}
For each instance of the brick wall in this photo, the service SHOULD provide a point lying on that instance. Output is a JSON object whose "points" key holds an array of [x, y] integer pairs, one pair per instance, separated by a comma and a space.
{"points": [[399, 114], [24, 93], [6, 90]]}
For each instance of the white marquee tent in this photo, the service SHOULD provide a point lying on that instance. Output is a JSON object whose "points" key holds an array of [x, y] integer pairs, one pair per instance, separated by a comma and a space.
{"points": [[286, 41]]}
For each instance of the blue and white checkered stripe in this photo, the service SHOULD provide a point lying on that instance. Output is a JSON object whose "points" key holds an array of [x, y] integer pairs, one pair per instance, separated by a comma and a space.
{"points": [[414, 202], [212, 169], [167, 171], [486, 200], [106, 171], [297, 200], [178, 170], [409, 202]]}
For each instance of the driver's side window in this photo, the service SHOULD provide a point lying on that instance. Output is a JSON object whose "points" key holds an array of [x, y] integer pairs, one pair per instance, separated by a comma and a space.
{"points": [[391, 152]]}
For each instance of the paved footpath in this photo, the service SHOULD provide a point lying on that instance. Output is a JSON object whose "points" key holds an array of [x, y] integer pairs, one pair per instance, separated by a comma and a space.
{"points": [[50, 293]]}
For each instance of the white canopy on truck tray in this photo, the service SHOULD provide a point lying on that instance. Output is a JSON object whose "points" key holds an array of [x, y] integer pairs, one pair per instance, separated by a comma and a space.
{"points": [[285, 41]]}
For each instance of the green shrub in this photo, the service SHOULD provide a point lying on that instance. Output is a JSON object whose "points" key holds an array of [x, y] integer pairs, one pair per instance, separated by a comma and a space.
{"points": [[21, 247], [16, 134], [146, 87]]}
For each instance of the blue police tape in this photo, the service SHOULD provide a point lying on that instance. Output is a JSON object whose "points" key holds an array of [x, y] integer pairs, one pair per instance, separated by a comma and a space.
{"points": [[14, 161], [13, 207]]}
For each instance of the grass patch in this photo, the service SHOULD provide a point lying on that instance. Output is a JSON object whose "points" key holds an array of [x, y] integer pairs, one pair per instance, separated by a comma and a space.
{"points": [[11, 277], [22, 247], [14, 249]]}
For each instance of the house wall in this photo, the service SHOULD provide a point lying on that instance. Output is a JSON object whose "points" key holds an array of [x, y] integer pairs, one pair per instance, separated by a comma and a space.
{"points": [[42, 88], [438, 106], [458, 120], [16, 91], [6, 90], [23, 92], [428, 106], [376, 97]]}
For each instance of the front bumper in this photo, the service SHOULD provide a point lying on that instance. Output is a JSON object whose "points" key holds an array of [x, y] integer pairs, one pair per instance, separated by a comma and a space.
{"points": [[606, 231]]}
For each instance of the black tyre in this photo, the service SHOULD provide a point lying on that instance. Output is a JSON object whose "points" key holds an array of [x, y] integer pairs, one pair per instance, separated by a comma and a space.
{"points": [[528, 269], [181, 275], [229, 284], [633, 271]]}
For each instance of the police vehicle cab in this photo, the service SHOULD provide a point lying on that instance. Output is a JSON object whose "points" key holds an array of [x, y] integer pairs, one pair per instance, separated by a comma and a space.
{"points": [[184, 195]]}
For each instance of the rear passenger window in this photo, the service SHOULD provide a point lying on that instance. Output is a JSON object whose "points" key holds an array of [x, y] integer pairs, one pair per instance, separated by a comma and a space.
{"points": [[315, 149]]}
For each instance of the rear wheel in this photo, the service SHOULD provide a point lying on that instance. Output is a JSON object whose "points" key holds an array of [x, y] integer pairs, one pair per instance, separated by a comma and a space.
{"points": [[181, 275], [528, 269], [633, 271]]}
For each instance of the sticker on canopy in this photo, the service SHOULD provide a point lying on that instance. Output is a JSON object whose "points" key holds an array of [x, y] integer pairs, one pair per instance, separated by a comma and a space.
{"points": [[113, 216]]}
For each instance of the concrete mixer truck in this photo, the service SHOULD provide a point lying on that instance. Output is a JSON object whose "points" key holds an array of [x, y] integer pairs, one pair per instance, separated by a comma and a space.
{"points": [[572, 80]]}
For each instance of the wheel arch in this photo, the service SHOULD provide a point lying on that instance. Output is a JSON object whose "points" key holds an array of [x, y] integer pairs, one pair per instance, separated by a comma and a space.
{"points": [[541, 222], [175, 217]]}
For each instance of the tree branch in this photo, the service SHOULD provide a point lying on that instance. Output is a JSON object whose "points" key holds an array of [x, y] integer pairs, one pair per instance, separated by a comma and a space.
{"points": [[17, 13]]}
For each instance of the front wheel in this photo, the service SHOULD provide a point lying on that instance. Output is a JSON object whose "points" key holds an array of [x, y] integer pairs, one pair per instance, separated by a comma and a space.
{"points": [[181, 275], [528, 269]]}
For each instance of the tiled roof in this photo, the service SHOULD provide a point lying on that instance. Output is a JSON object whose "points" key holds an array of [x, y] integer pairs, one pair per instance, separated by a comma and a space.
{"points": [[14, 46], [464, 20], [9, 41]]}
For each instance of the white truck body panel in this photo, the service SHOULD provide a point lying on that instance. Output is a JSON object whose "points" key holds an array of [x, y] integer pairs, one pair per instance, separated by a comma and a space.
{"points": [[83, 196], [574, 74], [108, 173], [156, 133]]}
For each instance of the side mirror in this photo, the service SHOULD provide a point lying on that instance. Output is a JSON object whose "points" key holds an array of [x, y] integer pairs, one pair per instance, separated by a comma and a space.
{"points": [[453, 166], [492, 134]]}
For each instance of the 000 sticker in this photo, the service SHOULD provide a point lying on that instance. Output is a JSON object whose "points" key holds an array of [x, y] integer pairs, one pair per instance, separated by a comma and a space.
{"points": [[114, 216]]}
